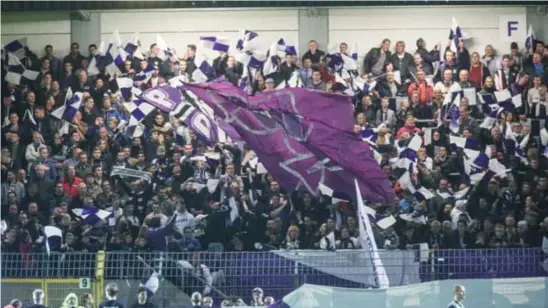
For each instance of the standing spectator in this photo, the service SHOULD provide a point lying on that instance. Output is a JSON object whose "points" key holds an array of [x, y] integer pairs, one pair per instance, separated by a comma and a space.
{"points": [[402, 60], [478, 72], [427, 58], [74, 57], [538, 68], [491, 61], [419, 65], [375, 59], [12, 185], [505, 76], [54, 62], [70, 181], [425, 91], [314, 54], [68, 79]]}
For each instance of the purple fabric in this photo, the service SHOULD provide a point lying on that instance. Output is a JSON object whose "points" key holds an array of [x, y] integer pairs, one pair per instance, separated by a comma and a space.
{"points": [[165, 98], [204, 128], [229, 130], [302, 137]]}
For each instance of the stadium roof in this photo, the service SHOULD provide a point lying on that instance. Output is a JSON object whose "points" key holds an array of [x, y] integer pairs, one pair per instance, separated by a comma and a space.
{"points": [[25, 6]]}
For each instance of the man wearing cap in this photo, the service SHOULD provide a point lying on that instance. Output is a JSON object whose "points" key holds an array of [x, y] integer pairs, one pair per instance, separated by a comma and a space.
{"points": [[269, 84]]}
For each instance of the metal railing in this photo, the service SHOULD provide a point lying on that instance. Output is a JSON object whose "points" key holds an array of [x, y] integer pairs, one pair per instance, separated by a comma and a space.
{"points": [[276, 272]]}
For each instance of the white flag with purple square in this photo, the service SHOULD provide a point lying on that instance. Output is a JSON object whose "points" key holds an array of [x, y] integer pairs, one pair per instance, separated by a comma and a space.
{"points": [[70, 108], [138, 110], [17, 48], [221, 44]]}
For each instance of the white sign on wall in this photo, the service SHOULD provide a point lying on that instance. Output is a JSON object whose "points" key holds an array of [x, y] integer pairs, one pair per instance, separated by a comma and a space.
{"points": [[513, 28], [84, 283]]}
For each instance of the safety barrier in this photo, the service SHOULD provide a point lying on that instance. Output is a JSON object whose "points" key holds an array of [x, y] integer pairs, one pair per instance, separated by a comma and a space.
{"points": [[237, 273]]}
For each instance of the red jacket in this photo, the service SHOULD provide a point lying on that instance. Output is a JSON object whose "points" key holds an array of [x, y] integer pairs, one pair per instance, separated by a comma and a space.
{"points": [[407, 129], [71, 189], [426, 92]]}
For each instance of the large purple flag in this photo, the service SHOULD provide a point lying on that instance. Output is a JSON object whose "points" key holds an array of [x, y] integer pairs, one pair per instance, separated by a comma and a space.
{"points": [[299, 151], [229, 130], [325, 123], [165, 98]]}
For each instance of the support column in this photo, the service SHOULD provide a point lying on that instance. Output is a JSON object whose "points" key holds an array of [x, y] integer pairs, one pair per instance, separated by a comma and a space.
{"points": [[537, 16], [85, 31], [313, 25]]}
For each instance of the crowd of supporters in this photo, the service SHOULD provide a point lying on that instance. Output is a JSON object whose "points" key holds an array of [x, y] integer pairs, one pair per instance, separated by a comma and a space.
{"points": [[47, 173]]}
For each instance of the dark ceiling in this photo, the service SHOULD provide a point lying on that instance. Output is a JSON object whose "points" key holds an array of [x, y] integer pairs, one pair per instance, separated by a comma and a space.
{"points": [[22, 6]]}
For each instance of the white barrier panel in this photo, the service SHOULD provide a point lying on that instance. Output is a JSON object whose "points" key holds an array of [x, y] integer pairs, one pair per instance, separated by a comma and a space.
{"points": [[484, 293], [355, 265]]}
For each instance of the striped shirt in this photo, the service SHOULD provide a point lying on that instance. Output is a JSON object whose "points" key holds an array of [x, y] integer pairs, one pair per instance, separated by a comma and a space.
{"points": [[455, 304]]}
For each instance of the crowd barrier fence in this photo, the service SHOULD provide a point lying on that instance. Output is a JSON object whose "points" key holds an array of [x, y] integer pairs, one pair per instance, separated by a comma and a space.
{"points": [[237, 273]]}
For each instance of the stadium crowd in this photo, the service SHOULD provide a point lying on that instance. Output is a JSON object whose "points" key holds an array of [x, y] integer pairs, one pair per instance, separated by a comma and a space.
{"points": [[47, 173]]}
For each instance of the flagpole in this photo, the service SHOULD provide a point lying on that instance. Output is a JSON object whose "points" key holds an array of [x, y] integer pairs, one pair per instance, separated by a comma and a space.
{"points": [[367, 238]]}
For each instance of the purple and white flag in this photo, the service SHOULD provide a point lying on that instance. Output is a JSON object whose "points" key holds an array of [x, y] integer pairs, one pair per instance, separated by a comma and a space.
{"points": [[17, 48], [204, 128], [165, 98], [302, 145], [215, 43], [246, 36]]}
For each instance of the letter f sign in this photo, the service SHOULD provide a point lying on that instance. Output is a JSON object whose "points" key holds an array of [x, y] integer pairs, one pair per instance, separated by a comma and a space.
{"points": [[512, 25]]}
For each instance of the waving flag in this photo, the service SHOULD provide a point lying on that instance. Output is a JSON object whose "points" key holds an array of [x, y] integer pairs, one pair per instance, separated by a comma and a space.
{"points": [[204, 128], [163, 47], [17, 48], [364, 86], [470, 146], [54, 238], [246, 37], [138, 110], [287, 49], [531, 40], [17, 73], [71, 106], [475, 168], [215, 43], [125, 85], [455, 35], [367, 241], [111, 53], [133, 48], [121, 57], [151, 284], [144, 75], [298, 145], [544, 142], [354, 53], [91, 215], [512, 146], [272, 61], [165, 98], [204, 71]]}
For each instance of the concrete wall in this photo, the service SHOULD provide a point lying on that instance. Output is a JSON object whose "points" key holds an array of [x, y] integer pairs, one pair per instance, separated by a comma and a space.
{"points": [[329, 26]]}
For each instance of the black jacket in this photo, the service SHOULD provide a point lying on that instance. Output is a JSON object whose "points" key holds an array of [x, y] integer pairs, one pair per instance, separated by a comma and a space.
{"points": [[402, 64], [372, 57]]}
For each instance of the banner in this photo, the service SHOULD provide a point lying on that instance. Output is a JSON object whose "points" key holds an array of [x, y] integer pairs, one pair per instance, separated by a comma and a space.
{"points": [[132, 173], [165, 98]]}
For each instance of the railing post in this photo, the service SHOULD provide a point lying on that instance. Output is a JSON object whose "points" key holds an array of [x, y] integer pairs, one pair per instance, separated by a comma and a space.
{"points": [[296, 282], [99, 276]]}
